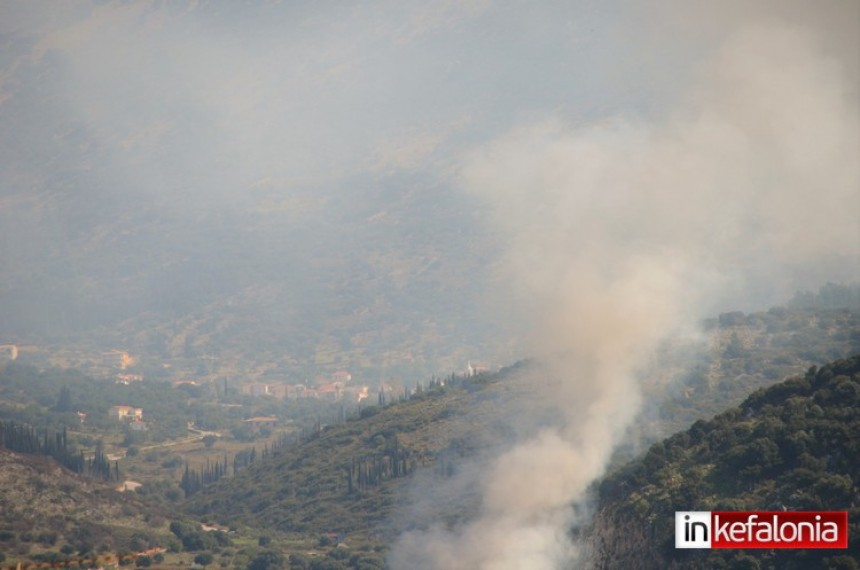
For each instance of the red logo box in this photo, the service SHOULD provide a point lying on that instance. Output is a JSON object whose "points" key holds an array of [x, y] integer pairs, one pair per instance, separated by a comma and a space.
{"points": [[761, 529], [779, 529]]}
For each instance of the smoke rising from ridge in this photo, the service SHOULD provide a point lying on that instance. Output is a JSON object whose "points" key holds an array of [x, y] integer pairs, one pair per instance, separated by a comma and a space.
{"points": [[627, 231]]}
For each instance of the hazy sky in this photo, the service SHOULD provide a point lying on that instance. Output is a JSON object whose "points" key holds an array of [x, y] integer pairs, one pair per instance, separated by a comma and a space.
{"points": [[294, 94], [163, 157]]}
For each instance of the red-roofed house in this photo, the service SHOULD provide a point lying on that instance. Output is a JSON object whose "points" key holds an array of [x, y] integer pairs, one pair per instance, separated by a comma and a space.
{"points": [[331, 391], [341, 376]]}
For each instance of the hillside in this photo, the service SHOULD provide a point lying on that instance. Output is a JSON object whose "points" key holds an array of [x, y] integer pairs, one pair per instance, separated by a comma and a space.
{"points": [[305, 488], [351, 477], [742, 353], [372, 473], [793, 446], [45, 508]]}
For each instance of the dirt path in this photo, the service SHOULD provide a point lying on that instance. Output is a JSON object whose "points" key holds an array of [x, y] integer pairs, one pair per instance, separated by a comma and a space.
{"points": [[198, 435]]}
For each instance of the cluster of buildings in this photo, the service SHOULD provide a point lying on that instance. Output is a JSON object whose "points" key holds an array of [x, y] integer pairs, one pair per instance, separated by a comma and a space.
{"points": [[335, 388]]}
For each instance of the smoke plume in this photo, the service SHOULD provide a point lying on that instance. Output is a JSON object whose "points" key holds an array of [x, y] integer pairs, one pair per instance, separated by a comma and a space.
{"points": [[623, 232]]}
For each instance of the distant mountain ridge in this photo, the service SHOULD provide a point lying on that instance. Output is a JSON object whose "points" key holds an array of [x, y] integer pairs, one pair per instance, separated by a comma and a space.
{"points": [[137, 219]]}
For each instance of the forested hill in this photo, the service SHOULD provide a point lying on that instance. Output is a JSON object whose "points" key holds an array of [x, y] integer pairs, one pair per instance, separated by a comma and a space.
{"points": [[350, 477], [793, 446]]}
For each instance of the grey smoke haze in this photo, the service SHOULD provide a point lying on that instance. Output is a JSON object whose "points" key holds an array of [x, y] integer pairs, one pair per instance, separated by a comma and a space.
{"points": [[626, 231], [166, 161], [605, 172]]}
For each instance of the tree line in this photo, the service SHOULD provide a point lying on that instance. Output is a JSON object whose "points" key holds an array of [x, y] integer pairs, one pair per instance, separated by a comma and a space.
{"points": [[391, 463], [26, 439], [193, 480]]}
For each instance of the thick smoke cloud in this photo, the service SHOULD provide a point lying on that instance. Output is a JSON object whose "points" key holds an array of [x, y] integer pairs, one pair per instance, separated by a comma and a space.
{"points": [[625, 232]]}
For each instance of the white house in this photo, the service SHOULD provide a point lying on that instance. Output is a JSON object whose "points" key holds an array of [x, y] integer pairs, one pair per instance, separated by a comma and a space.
{"points": [[126, 413]]}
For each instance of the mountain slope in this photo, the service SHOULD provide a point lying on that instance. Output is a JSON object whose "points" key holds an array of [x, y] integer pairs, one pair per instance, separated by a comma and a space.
{"points": [[43, 507], [134, 231], [793, 446], [449, 429], [348, 476]]}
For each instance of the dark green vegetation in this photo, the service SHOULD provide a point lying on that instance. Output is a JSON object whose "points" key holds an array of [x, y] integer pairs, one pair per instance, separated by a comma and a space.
{"points": [[24, 439], [793, 446], [47, 508], [348, 478], [332, 473], [41, 417], [52, 398]]}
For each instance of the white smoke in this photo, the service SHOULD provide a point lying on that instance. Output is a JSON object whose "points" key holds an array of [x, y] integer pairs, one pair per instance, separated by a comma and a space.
{"points": [[624, 232]]}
